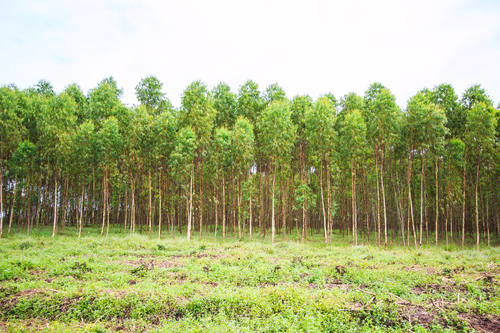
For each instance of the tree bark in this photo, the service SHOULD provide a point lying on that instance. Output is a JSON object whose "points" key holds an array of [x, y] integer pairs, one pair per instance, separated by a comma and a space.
{"points": [[272, 208], [55, 204]]}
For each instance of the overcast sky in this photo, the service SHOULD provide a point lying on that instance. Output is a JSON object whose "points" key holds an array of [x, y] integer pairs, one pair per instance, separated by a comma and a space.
{"points": [[307, 47]]}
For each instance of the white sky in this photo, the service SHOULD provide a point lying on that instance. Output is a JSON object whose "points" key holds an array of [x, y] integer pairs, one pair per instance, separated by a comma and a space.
{"points": [[307, 47]]}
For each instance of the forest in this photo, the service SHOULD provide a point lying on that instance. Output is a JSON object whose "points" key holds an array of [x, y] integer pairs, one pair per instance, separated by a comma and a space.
{"points": [[252, 164]]}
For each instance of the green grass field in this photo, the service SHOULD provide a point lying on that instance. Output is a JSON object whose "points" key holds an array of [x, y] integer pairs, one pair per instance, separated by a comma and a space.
{"points": [[139, 284]]}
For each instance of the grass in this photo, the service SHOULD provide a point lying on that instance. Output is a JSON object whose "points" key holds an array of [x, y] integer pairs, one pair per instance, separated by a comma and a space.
{"points": [[138, 283]]}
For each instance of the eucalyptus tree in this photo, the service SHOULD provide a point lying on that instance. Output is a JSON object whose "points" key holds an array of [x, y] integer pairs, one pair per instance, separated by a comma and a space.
{"points": [[242, 149], [104, 101], [471, 96], [250, 103], [224, 102], [153, 101], [424, 130], [149, 93], [81, 101], [199, 114], [147, 141], [57, 123], [454, 156], [480, 139], [320, 131], [182, 165], [219, 163], [83, 153], [44, 88], [11, 133], [299, 108], [445, 97], [164, 129], [110, 144], [273, 93], [277, 136], [352, 140], [383, 116]]}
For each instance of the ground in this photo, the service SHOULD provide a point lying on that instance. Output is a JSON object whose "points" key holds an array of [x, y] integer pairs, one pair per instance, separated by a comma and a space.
{"points": [[141, 284]]}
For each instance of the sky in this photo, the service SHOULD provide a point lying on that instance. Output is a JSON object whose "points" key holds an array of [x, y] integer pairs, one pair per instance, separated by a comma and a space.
{"points": [[307, 47]]}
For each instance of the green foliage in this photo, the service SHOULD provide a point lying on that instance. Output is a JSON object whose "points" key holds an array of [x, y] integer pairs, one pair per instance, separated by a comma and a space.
{"points": [[149, 93], [320, 130], [250, 104], [182, 156], [224, 102], [277, 132]]}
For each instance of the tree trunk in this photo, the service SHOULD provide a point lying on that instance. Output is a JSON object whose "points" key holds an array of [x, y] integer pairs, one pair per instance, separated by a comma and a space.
{"points": [[159, 205], [93, 193], [477, 205], [13, 205], [216, 212], [223, 207], [422, 199], [353, 203], [437, 200], [379, 231], [201, 198], [323, 201], [410, 203], [132, 206], [1, 196], [190, 210], [81, 212], [104, 201], [149, 203], [463, 201], [55, 204], [383, 196], [272, 208]]}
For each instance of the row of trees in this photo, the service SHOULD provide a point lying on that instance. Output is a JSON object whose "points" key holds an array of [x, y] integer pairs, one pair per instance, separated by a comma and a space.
{"points": [[252, 162]]}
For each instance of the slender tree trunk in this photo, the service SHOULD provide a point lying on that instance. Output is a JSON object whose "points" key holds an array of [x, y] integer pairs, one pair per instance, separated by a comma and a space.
{"points": [[65, 202], [422, 199], [216, 212], [283, 208], [272, 207], [487, 211], [329, 201], [190, 210], [410, 203], [108, 203], [238, 192], [383, 196], [13, 205], [55, 203], [150, 227], [81, 211], [159, 205], [379, 232], [1, 196], [447, 205], [251, 194], [93, 194], [437, 201], [477, 205], [223, 207], [323, 201], [201, 198], [353, 202], [104, 201], [132, 206], [463, 201]]}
